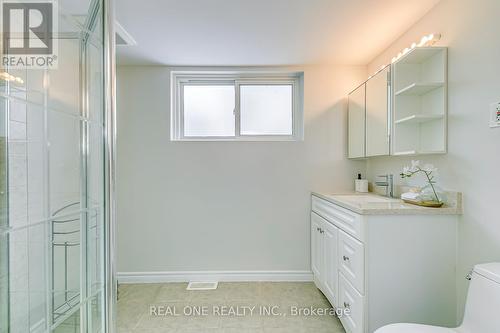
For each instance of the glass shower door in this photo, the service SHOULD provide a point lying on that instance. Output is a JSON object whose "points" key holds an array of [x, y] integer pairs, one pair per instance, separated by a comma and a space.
{"points": [[52, 183]]}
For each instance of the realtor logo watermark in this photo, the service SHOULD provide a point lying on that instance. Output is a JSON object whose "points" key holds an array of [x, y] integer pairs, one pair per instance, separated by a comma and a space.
{"points": [[28, 28]]}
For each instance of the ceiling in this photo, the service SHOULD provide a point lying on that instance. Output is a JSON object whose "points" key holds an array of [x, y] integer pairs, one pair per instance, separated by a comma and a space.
{"points": [[263, 32]]}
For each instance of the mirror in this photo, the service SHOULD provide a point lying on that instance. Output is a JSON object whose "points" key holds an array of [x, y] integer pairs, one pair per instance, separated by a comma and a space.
{"points": [[377, 113], [356, 122]]}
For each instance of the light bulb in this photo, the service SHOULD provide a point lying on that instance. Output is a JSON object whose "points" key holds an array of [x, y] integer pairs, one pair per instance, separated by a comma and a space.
{"points": [[426, 40]]}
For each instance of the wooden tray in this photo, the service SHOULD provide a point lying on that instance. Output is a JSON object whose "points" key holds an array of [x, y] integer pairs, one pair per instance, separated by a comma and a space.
{"points": [[432, 204]]}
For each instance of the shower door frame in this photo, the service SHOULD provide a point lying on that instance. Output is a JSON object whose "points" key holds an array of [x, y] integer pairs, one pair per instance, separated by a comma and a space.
{"points": [[110, 285], [105, 10], [109, 133]]}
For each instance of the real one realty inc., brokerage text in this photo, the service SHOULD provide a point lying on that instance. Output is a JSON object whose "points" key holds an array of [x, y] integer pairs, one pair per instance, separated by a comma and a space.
{"points": [[242, 311]]}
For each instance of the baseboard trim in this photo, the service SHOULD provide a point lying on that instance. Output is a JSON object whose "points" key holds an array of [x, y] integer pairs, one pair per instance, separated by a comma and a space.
{"points": [[222, 276]]}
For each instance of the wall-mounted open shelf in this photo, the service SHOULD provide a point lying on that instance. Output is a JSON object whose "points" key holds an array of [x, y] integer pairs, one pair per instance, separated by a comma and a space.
{"points": [[414, 152], [420, 102], [419, 118], [418, 89], [422, 55]]}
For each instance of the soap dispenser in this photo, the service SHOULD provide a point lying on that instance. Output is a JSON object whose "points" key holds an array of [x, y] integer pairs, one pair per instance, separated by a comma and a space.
{"points": [[361, 185]]}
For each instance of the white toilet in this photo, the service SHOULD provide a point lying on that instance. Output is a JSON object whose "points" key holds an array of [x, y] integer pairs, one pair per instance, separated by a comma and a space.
{"points": [[482, 311]]}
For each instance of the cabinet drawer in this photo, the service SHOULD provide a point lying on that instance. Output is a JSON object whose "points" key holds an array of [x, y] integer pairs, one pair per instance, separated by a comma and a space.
{"points": [[349, 298], [352, 260], [341, 217]]}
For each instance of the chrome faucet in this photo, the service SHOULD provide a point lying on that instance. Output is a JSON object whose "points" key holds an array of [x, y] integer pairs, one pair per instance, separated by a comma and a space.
{"points": [[388, 184]]}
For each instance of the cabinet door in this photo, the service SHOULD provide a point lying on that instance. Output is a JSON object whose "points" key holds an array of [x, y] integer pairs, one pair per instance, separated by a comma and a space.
{"points": [[350, 299], [356, 123], [377, 114], [317, 248], [330, 257], [352, 260]]}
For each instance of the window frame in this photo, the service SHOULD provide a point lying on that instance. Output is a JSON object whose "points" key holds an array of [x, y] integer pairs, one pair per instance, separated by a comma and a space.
{"points": [[179, 79]]}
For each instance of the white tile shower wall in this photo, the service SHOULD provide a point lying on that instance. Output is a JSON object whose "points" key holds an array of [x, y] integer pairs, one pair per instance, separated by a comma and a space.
{"points": [[470, 30], [27, 245], [18, 208], [38, 265], [28, 156], [36, 148], [64, 83], [4, 297], [64, 161], [64, 169], [185, 206], [17, 130], [64, 133]]}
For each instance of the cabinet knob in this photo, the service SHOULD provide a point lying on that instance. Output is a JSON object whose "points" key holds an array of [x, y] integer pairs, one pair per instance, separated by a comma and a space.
{"points": [[347, 305], [318, 229], [345, 258], [321, 231], [469, 276]]}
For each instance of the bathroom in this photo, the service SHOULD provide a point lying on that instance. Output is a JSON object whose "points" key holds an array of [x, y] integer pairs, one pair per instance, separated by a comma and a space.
{"points": [[184, 169]]}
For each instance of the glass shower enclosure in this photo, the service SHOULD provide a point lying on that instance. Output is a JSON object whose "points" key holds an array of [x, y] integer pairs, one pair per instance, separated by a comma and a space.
{"points": [[54, 182]]}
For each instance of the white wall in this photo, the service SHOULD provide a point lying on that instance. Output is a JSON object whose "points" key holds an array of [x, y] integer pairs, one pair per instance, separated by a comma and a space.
{"points": [[189, 206], [470, 29]]}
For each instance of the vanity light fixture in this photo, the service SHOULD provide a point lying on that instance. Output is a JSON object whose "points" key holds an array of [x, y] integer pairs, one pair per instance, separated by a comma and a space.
{"points": [[9, 77], [427, 40]]}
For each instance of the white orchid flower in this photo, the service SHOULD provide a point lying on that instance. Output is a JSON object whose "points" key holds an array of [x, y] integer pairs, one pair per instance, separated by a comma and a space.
{"points": [[429, 168], [415, 165]]}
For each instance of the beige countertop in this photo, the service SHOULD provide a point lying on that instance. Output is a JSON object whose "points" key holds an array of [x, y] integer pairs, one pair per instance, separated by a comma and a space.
{"points": [[374, 204]]}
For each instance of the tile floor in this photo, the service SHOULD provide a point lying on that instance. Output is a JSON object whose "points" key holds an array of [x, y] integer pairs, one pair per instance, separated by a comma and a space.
{"points": [[136, 301]]}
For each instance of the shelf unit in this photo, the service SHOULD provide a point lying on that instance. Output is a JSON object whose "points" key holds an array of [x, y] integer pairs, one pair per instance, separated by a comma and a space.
{"points": [[420, 102], [414, 152], [419, 89], [419, 118]]}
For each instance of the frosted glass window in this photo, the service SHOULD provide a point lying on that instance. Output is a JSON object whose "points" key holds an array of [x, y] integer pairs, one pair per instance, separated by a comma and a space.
{"points": [[236, 106], [209, 110], [266, 109]]}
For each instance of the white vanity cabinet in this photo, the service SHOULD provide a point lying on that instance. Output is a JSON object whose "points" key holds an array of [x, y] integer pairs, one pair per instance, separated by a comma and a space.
{"points": [[325, 244], [397, 267], [317, 247]]}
